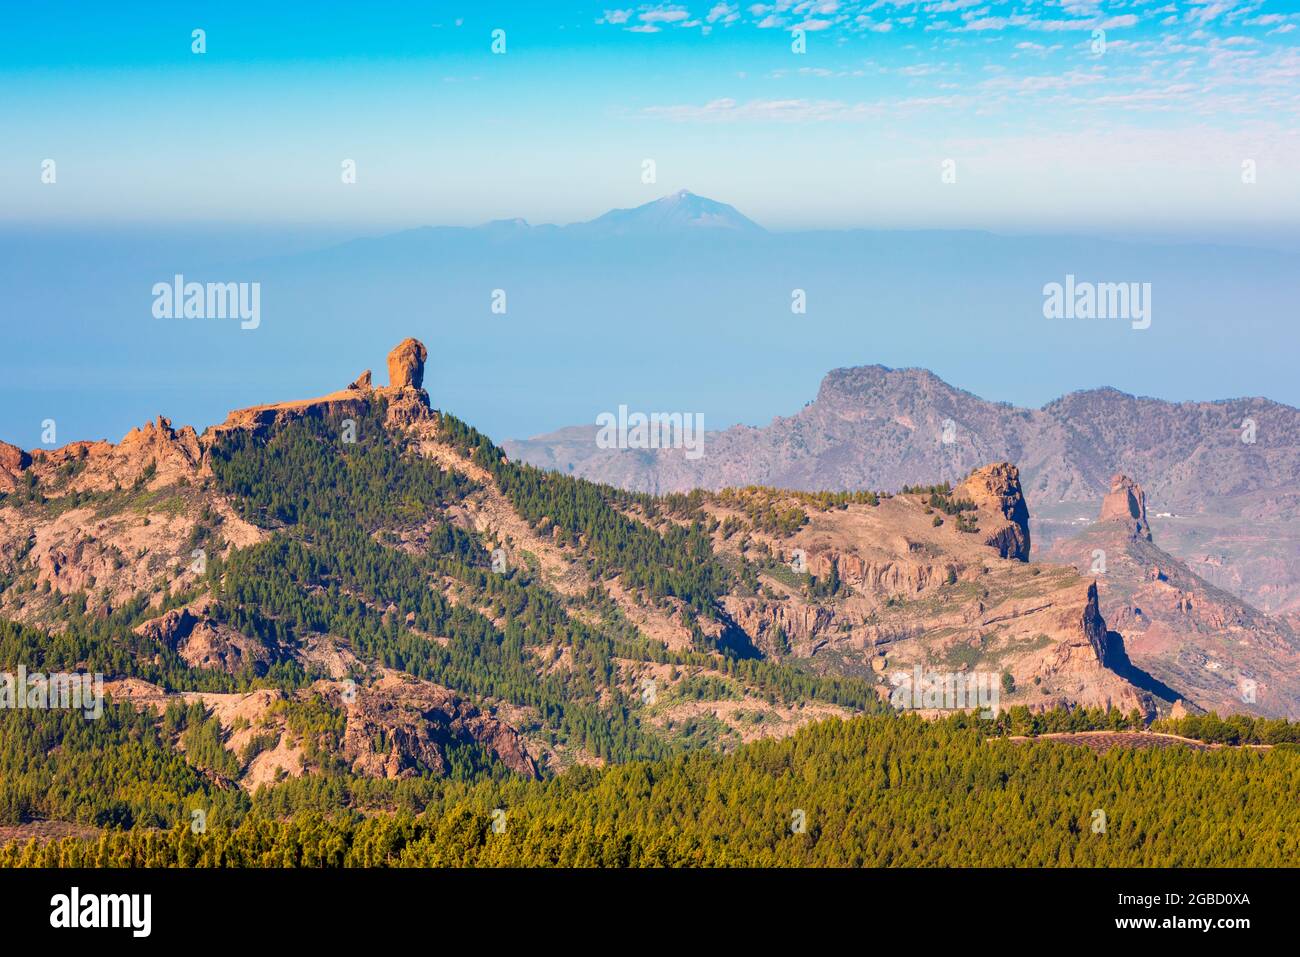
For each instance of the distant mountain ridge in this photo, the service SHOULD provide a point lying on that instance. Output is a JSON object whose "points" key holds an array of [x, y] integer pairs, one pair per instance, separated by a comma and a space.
{"points": [[1230, 501], [679, 212]]}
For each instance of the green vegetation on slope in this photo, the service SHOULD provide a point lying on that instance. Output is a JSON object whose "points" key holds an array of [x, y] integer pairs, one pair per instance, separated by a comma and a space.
{"points": [[326, 572], [881, 791], [678, 562]]}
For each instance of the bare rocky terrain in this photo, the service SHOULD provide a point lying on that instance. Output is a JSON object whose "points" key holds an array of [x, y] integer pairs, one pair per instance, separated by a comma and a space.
{"points": [[939, 596], [1220, 652]]}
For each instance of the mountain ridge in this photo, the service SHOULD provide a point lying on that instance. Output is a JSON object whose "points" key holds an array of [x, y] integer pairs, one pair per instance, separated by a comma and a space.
{"points": [[882, 428], [738, 600]]}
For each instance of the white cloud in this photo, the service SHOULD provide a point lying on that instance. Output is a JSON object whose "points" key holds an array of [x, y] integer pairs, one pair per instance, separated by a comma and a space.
{"points": [[988, 23], [1210, 9], [950, 6], [664, 14], [724, 12]]}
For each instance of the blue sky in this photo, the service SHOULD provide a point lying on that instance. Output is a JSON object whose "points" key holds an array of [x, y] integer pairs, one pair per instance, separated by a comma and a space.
{"points": [[1048, 131], [219, 165]]}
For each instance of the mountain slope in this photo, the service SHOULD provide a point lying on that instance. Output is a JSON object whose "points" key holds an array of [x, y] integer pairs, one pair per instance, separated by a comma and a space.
{"points": [[872, 792], [359, 587]]}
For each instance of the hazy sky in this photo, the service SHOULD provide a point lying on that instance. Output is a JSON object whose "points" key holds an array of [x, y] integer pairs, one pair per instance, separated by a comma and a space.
{"points": [[1048, 130]]}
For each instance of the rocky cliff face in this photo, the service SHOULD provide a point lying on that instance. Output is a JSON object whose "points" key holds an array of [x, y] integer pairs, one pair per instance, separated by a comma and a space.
{"points": [[399, 726], [395, 727], [203, 642], [996, 488], [13, 461], [1126, 503], [1220, 653], [406, 365], [916, 593]]}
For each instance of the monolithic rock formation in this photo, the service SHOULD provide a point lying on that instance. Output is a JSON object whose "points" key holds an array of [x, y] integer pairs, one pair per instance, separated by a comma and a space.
{"points": [[997, 488], [1126, 503], [406, 365], [407, 401], [1186, 632]]}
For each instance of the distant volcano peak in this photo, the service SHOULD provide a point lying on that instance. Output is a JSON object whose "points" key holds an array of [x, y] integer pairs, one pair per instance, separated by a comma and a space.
{"points": [[681, 211]]}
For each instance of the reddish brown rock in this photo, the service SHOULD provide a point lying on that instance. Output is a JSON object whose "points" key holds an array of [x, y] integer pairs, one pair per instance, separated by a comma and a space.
{"points": [[406, 402], [996, 488], [1183, 630], [419, 721], [13, 458], [1127, 503], [406, 364], [203, 642], [12, 461]]}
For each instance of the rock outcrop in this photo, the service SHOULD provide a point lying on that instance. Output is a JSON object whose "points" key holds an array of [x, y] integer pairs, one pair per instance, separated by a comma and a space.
{"points": [[205, 643], [417, 723], [406, 365], [407, 401], [1183, 630], [155, 454], [13, 460], [1127, 503], [996, 488], [1086, 665]]}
